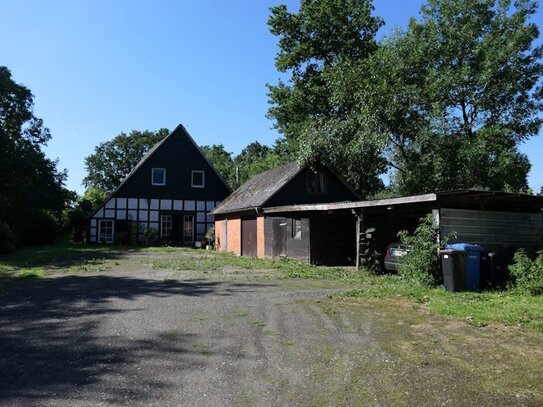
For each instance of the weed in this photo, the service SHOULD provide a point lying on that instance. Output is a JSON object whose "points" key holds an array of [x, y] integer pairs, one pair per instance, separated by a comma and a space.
{"points": [[201, 347], [258, 323]]}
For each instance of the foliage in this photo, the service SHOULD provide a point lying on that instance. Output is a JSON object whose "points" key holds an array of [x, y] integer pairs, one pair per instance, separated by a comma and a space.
{"points": [[113, 160], [257, 158], [76, 219], [222, 161], [369, 256], [252, 160], [450, 89], [95, 196], [32, 189], [8, 240], [210, 235], [322, 36], [421, 264], [528, 273]]}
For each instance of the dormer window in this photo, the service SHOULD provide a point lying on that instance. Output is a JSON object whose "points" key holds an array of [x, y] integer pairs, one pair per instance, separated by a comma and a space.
{"points": [[198, 179], [158, 176], [316, 182]]}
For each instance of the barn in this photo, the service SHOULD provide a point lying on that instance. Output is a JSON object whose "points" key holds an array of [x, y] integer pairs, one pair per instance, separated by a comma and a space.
{"points": [[243, 227]]}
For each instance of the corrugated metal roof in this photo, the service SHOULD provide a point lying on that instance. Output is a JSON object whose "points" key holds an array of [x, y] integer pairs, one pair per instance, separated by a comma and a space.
{"points": [[259, 189]]}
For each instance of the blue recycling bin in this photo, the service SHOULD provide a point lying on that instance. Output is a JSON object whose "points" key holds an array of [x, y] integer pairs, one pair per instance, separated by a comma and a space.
{"points": [[472, 268]]}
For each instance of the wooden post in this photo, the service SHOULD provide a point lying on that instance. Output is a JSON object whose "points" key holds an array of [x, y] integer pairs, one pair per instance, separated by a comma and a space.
{"points": [[359, 232], [358, 242]]}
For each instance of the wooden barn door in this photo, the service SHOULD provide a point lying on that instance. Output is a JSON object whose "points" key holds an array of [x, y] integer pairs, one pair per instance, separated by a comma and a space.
{"points": [[279, 238], [248, 237]]}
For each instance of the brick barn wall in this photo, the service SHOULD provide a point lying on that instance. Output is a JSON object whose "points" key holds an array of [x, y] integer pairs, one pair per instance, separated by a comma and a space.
{"points": [[260, 237], [218, 235], [234, 236]]}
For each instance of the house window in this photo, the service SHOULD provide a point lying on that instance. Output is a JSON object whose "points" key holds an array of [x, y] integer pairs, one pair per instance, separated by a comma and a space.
{"points": [[105, 231], [297, 229], [316, 182], [165, 226], [158, 176], [198, 179]]}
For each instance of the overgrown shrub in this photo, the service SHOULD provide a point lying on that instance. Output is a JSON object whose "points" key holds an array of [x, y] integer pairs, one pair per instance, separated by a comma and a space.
{"points": [[8, 240], [369, 256], [421, 264], [527, 273]]}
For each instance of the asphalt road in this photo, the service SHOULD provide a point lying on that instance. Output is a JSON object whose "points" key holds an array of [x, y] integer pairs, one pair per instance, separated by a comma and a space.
{"points": [[141, 339]]}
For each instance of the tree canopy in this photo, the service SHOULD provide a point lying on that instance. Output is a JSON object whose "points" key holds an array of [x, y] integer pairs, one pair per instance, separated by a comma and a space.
{"points": [[32, 188], [443, 105], [113, 160]]}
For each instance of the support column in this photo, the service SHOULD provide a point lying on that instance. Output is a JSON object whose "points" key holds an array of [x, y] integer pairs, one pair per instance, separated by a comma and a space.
{"points": [[359, 232]]}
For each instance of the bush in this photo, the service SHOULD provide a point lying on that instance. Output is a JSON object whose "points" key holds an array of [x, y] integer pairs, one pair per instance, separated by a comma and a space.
{"points": [[8, 240], [527, 273], [421, 264]]}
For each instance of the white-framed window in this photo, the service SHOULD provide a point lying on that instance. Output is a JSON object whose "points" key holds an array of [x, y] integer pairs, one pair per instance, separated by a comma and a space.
{"points": [[198, 179], [165, 226], [158, 176], [316, 182], [105, 231]]}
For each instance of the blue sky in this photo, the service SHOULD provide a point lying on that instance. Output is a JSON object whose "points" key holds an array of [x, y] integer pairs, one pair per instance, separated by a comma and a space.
{"points": [[100, 67]]}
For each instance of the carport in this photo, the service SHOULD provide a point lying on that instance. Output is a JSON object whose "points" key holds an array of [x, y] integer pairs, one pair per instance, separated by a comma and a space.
{"points": [[496, 220]]}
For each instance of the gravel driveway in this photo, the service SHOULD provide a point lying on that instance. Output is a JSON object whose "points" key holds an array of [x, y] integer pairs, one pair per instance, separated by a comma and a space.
{"points": [[144, 339]]}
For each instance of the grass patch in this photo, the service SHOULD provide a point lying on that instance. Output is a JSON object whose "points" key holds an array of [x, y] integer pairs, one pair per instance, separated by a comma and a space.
{"points": [[242, 314], [478, 309], [258, 323], [201, 347]]}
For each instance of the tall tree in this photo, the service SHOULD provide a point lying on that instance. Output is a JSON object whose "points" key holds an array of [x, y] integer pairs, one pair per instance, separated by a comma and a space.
{"points": [[257, 158], [445, 104], [113, 160], [481, 95], [32, 188], [312, 43]]}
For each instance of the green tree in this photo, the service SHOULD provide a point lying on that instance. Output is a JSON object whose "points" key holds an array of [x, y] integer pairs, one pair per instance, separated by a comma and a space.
{"points": [[323, 35], [257, 158], [113, 160], [32, 188], [451, 99], [222, 161]]}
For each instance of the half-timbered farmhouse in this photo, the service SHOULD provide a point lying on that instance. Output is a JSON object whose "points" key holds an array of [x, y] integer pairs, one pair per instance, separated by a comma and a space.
{"points": [[166, 197]]}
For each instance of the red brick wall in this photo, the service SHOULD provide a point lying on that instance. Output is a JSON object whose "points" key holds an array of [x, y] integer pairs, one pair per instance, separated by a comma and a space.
{"points": [[218, 235], [260, 237], [234, 236]]}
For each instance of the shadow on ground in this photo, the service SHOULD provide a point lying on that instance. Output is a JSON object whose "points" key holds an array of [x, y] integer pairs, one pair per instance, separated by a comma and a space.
{"points": [[51, 341]]}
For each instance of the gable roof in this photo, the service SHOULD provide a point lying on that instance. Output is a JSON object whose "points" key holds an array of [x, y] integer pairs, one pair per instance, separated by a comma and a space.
{"points": [[179, 130], [259, 189]]}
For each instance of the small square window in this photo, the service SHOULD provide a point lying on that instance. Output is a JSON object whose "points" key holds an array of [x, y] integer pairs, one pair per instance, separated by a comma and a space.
{"points": [[158, 176], [297, 229], [198, 179], [316, 182]]}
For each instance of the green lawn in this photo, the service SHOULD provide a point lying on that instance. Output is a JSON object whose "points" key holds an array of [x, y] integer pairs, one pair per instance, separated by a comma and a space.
{"points": [[478, 309]]}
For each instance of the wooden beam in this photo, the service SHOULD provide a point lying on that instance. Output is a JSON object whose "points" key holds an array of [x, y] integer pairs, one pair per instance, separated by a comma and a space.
{"points": [[359, 232]]}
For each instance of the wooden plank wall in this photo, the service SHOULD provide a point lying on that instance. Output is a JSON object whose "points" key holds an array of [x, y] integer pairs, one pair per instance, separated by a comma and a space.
{"points": [[493, 230]]}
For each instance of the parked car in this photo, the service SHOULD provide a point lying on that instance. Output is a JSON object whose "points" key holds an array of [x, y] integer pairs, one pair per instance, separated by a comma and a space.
{"points": [[394, 252]]}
